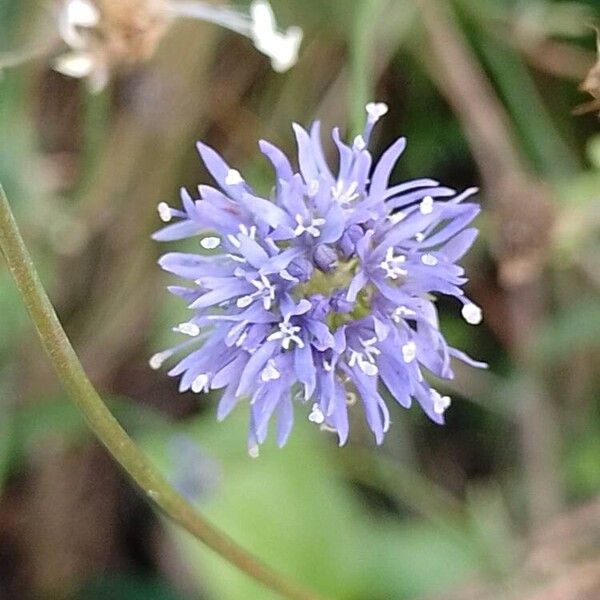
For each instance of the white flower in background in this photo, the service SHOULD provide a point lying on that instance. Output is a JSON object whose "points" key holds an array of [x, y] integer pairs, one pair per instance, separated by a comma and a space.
{"points": [[280, 46], [102, 36], [75, 16]]}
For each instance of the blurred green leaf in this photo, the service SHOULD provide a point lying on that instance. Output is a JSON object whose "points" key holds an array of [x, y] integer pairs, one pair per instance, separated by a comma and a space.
{"points": [[293, 509], [129, 586], [576, 327], [582, 464], [593, 151], [492, 529]]}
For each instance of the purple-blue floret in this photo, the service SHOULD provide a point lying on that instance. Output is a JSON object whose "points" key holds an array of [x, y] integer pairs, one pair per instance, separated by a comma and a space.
{"points": [[322, 294]]}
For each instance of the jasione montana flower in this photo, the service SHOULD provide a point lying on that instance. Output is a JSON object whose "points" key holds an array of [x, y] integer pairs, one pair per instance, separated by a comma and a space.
{"points": [[320, 295]]}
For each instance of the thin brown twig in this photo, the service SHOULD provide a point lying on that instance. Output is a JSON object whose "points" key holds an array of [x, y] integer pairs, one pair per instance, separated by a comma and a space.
{"points": [[523, 220]]}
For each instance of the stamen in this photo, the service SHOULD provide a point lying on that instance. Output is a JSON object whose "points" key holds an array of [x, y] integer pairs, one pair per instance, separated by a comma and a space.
{"points": [[402, 311], [440, 403], [426, 206], [359, 143], [391, 265], [190, 329], [287, 334], [164, 212], [396, 217], [313, 188], [345, 196], [472, 314], [376, 110], [316, 415], [409, 352], [200, 384], [311, 229], [270, 372], [429, 259], [210, 243], [244, 301], [233, 177], [233, 240], [157, 361]]}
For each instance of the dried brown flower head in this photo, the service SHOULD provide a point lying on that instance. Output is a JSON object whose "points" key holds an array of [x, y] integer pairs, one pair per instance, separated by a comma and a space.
{"points": [[103, 36]]}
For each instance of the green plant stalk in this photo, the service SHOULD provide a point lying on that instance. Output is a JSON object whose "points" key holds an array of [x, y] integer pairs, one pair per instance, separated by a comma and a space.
{"points": [[106, 427], [362, 69]]}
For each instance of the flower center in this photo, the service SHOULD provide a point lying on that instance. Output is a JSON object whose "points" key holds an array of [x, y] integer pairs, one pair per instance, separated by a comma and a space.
{"points": [[326, 283]]}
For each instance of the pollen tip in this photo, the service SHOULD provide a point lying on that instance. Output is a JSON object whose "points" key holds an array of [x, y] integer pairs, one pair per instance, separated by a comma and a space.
{"points": [[164, 212], [472, 314]]}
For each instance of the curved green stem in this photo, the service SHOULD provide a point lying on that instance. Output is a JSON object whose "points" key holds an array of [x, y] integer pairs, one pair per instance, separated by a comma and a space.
{"points": [[105, 426]]}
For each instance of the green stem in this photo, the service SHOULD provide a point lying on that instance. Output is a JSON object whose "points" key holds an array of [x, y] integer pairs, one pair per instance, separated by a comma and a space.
{"points": [[362, 69], [106, 427]]}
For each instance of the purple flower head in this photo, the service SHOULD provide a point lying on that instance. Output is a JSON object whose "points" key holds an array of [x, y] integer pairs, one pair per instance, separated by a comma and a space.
{"points": [[320, 295]]}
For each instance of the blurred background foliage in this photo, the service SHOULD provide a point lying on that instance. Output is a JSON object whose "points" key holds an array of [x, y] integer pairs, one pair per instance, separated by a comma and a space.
{"points": [[503, 502]]}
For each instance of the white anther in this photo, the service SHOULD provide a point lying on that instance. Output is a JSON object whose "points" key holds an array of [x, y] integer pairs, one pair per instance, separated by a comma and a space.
{"points": [[270, 372], [440, 403], [210, 243], [164, 212], [265, 290], [369, 344], [313, 188], [345, 195], [236, 258], [200, 384], [376, 110], [391, 264], [368, 368], [396, 217], [241, 339], [190, 329], [429, 259], [359, 143], [253, 452], [426, 206], [472, 314], [316, 415], [248, 232], [244, 301], [402, 311], [233, 177], [409, 352], [311, 228], [327, 366], [365, 360], [157, 361], [287, 334], [420, 237]]}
